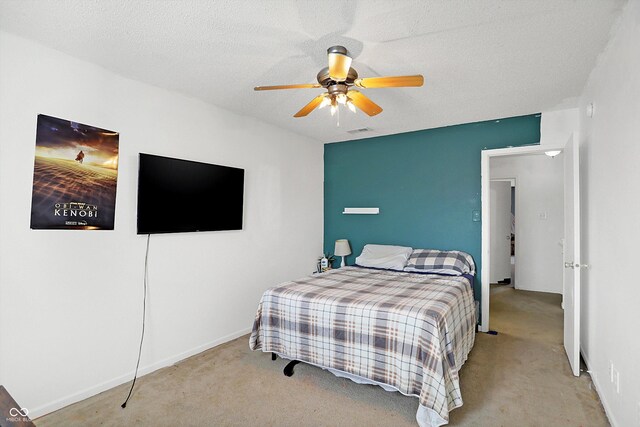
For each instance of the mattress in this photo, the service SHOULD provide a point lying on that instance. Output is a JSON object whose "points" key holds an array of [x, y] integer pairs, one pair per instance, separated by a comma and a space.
{"points": [[405, 331]]}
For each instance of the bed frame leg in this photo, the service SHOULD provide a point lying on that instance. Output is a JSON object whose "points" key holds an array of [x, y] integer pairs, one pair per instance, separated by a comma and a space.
{"points": [[274, 356], [288, 370]]}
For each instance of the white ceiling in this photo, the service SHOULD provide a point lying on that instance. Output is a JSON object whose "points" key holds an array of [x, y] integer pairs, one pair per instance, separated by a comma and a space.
{"points": [[482, 59]]}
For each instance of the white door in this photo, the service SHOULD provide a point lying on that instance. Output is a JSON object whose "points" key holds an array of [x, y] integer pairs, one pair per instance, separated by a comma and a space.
{"points": [[500, 203], [572, 262]]}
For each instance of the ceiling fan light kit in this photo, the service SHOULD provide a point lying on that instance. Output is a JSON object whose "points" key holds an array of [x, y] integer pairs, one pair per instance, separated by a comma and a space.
{"points": [[339, 79]]}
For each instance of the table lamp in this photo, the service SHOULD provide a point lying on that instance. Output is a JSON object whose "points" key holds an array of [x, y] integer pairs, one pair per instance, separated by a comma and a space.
{"points": [[342, 249]]}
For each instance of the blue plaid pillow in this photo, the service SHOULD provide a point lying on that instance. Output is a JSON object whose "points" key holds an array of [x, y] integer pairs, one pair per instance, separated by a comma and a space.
{"points": [[435, 261]]}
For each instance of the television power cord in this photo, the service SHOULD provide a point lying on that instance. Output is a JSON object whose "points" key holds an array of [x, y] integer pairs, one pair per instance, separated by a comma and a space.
{"points": [[144, 312]]}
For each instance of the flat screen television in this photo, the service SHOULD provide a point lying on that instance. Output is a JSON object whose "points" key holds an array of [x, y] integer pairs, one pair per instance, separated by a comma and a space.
{"points": [[181, 196]]}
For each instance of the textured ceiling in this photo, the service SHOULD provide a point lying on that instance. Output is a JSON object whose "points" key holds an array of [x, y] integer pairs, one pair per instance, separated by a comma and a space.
{"points": [[482, 59]]}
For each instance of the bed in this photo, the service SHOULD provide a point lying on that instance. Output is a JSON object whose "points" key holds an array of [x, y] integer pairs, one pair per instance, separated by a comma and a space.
{"points": [[404, 331]]}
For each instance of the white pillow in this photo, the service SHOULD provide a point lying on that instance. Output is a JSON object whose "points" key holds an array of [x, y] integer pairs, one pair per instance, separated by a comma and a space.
{"points": [[384, 256]]}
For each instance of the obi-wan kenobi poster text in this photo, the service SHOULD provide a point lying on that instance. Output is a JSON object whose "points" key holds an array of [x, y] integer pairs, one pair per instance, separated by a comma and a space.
{"points": [[75, 176]]}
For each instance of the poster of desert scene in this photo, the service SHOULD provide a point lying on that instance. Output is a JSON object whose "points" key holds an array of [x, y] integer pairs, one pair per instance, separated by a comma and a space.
{"points": [[75, 176]]}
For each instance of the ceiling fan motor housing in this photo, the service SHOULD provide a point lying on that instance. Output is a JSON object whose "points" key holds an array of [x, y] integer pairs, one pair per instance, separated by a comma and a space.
{"points": [[325, 79], [337, 88]]}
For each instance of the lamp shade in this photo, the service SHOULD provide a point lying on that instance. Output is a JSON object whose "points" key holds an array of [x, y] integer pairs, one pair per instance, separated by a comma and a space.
{"points": [[342, 248]]}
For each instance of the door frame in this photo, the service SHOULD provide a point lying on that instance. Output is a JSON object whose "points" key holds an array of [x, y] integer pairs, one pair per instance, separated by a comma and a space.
{"points": [[485, 179]]}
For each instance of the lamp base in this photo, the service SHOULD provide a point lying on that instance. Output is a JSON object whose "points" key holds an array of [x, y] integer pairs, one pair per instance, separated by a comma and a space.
{"points": [[342, 264]]}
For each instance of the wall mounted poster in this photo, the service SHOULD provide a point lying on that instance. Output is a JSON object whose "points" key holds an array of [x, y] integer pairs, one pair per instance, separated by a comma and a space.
{"points": [[75, 176]]}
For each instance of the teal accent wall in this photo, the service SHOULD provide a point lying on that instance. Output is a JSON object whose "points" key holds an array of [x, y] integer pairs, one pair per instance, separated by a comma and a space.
{"points": [[426, 184]]}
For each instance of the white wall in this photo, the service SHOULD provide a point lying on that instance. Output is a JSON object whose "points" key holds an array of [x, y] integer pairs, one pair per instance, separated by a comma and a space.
{"points": [[557, 126], [539, 189], [610, 149], [71, 301]]}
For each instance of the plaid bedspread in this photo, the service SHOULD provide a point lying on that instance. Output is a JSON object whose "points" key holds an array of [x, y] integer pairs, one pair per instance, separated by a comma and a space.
{"points": [[410, 331]]}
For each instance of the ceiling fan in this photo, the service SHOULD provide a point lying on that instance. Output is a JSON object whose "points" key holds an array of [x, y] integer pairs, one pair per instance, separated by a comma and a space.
{"points": [[339, 79]]}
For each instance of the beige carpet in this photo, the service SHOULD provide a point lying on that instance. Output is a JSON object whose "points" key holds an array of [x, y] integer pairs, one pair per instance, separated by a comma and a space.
{"points": [[520, 377]]}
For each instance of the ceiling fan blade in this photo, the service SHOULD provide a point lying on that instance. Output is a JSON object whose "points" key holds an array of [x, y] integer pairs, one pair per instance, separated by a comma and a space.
{"points": [[339, 63], [302, 86], [364, 103], [310, 106], [395, 81]]}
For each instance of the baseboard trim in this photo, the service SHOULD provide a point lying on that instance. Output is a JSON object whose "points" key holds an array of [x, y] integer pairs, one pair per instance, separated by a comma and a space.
{"points": [[546, 291], [594, 378], [144, 370]]}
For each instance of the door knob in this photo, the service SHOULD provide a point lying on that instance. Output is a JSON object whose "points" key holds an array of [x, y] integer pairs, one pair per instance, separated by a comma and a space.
{"points": [[568, 264]]}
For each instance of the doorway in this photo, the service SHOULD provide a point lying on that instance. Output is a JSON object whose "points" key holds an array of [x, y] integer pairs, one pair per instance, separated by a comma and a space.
{"points": [[538, 226], [502, 217], [570, 230]]}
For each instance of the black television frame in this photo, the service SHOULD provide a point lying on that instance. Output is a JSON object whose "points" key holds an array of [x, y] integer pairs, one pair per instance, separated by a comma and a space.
{"points": [[169, 185]]}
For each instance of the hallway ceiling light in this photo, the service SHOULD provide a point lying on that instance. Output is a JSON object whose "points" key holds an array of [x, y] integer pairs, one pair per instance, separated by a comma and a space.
{"points": [[552, 153]]}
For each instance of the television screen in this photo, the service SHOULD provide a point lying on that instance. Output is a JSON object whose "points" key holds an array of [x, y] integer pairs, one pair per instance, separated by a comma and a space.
{"points": [[178, 196]]}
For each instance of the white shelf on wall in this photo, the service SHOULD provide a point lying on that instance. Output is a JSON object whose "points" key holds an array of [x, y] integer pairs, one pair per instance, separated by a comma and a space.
{"points": [[361, 211]]}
